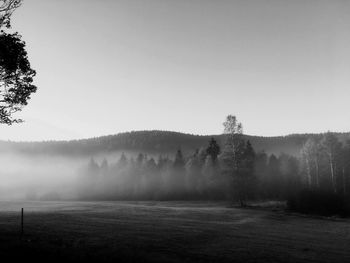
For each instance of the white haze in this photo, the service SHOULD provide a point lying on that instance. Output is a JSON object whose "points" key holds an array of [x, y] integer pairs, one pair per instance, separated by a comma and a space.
{"points": [[43, 176]]}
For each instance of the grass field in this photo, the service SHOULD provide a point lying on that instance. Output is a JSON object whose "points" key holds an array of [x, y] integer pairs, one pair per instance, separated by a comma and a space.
{"points": [[167, 232]]}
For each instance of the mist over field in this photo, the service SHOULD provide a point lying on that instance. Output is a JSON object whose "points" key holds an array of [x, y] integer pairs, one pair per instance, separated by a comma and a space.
{"points": [[52, 170], [94, 169], [34, 177], [180, 131], [43, 177]]}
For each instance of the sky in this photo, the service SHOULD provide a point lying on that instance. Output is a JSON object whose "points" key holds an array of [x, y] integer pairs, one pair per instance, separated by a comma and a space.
{"points": [[111, 66]]}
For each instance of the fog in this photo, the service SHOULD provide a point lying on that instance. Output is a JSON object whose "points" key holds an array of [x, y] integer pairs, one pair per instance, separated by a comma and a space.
{"points": [[42, 177], [107, 176], [206, 173]]}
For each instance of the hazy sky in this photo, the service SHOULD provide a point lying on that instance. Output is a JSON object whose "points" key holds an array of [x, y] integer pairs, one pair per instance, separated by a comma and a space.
{"points": [[110, 66]]}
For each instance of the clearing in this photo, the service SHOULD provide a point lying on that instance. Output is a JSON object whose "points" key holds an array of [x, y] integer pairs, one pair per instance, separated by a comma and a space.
{"points": [[167, 232]]}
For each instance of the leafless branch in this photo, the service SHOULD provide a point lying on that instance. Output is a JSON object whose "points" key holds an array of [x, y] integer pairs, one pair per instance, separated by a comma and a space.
{"points": [[6, 9]]}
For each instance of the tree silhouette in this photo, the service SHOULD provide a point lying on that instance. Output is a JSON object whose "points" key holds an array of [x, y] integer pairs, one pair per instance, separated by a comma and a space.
{"points": [[233, 158], [16, 74], [213, 149], [6, 9]]}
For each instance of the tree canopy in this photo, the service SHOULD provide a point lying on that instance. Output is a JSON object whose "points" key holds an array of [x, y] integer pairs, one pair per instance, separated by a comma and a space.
{"points": [[16, 74]]}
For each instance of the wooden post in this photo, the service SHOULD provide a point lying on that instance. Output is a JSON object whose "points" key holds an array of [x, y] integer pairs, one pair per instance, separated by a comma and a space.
{"points": [[22, 223]]}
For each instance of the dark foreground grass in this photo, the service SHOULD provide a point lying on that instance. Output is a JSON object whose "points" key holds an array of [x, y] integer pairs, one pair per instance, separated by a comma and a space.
{"points": [[166, 232]]}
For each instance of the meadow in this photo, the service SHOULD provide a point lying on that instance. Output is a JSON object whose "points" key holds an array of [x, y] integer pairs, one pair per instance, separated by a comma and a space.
{"points": [[167, 232]]}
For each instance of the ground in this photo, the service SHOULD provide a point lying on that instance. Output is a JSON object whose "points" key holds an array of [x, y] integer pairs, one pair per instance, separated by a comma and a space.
{"points": [[167, 232]]}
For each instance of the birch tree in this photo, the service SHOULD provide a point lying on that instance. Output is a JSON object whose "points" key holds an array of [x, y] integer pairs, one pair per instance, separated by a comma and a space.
{"points": [[331, 147], [311, 158], [233, 157]]}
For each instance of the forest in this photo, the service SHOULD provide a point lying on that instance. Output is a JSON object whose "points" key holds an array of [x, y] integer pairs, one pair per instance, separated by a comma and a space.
{"points": [[316, 181], [155, 142]]}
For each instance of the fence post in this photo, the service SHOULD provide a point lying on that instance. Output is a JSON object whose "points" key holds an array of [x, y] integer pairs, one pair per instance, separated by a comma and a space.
{"points": [[22, 223]]}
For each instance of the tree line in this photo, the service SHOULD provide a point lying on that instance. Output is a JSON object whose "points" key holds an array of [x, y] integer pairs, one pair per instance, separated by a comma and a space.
{"points": [[235, 171], [155, 142]]}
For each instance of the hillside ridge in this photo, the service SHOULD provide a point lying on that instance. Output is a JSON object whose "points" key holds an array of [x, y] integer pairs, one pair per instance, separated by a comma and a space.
{"points": [[156, 141]]}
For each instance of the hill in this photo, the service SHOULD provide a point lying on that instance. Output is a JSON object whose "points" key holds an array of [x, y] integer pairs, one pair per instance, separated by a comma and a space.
{"points": [[153, 142]]}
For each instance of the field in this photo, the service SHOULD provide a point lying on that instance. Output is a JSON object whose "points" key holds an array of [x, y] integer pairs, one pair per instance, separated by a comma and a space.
{"points": [[167, 232]]}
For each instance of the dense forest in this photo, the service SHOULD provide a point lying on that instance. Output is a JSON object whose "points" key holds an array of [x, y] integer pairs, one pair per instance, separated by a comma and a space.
{"points": [[155, 142], [315, 180]]}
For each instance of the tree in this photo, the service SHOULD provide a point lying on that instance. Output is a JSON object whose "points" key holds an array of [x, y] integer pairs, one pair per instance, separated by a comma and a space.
{"points": [[6, 9], [311, 155], [249, 167], [150, 181], [194, 179], [234, 143], [232, 128], [104, 168], [123, 161], [343, 167], [346, 167], [16, 74], [260, 168], [140, 159], [233, 157], [213, 150], [179, 162], [177, 178], [332, 148], [202, 155], [87, 186], [249, 157]]}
